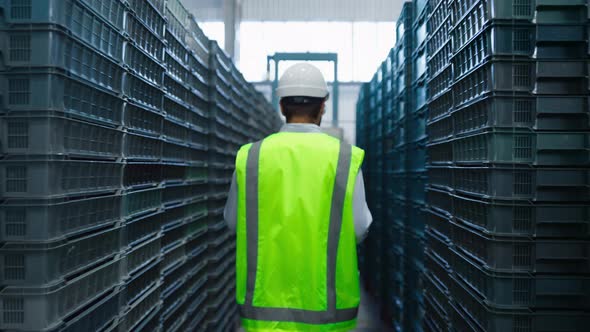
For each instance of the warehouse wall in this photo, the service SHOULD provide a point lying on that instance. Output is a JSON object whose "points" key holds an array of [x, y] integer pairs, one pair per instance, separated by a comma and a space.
{"points": [[347, 107]]}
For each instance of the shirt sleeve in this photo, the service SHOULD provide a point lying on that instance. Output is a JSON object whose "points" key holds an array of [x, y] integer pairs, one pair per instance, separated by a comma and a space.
{"points": [[362, 215], [230, 213]]}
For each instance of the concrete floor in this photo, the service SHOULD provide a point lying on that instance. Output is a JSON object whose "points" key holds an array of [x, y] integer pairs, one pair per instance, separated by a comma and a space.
{"points": [[368, 318]]}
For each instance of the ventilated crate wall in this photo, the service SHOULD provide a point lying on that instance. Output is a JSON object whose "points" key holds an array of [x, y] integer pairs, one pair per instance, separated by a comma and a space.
{"points": [[113, 171], [482, 203]]}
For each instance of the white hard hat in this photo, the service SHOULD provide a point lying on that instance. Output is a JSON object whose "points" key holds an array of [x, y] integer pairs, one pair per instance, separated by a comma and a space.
{"points": [[303, 80]]}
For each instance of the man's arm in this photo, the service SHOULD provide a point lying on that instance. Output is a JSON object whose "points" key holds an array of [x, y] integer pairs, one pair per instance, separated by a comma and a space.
{"points": [[362, 215], [230, 213]]}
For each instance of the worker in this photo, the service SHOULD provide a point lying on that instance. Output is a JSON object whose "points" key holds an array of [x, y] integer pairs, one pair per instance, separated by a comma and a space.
{"points": [[297, 203]]}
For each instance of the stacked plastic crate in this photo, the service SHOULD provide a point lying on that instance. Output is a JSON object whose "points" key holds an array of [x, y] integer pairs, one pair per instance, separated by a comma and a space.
{"points": [[109, 220], [143, 188], [223, 147], [439, 128], [60, 125], [511, 172], [415, 176]]}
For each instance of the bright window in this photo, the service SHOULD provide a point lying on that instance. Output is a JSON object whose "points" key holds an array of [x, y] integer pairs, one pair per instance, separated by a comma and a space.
{"points": [[361, 46]]}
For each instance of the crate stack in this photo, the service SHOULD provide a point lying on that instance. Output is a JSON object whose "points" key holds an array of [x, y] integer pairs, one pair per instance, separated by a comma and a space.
{"points": [[415, 176], [508, 228], [439, 128], [373, 178], [110, 198], [61, 231]]}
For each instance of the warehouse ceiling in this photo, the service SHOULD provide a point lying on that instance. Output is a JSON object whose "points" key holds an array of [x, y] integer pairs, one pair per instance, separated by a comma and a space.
{"points": [[301, 10]]}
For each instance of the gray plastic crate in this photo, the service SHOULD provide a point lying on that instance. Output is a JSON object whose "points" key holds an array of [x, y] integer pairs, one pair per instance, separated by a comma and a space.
{"points": [[524, 219], [84, 19], [143, 92], [137, 203], [472, 314], [540, 77], [140, 283], [96, 318], [144, 38], [439, 200], [29, 91], [140, 64], [46, 263], [52, 134], [150, 13], [480, 12], [141, 310], [441, 105], [521, 111], [547, 184], [142, 148], [37, 309], [53, 48], [513, 255], [53, 178], [539, 149], [523, 291], [46, 220], [141, 255]]}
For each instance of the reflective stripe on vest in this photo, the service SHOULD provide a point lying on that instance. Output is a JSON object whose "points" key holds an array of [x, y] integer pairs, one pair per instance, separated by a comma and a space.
{"points": [[332, 314]]}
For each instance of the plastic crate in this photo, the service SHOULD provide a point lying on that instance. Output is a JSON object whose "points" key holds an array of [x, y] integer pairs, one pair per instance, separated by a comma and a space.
{"points": [[37, 49], [97, 317], [539, 149], [45, 263], [50, 90], [511, 290], [440, 105], [141, 202], [52, 134], [417, 185], [149, 13], [416, 127], [53, 178], [521, 218], [143, 228], [140, 255], [515, 111], [541, 77], [439, 224], [440, 129], [140, 283], [140, 310], [437, 296], [144, 38], [471, 314], [438, 244], [138, 147], [142, 92], [512, 255], [549, 185], [417, 156], [142, 65], [45, 220], [515, 41], [85, 19], [440, 153], [439, 200], [49, 305], [542, 11], [439, 61], [440, 84]]}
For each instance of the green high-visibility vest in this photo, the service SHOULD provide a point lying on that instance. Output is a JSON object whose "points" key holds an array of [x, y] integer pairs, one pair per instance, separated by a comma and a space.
{"points": [[296, 262]]}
